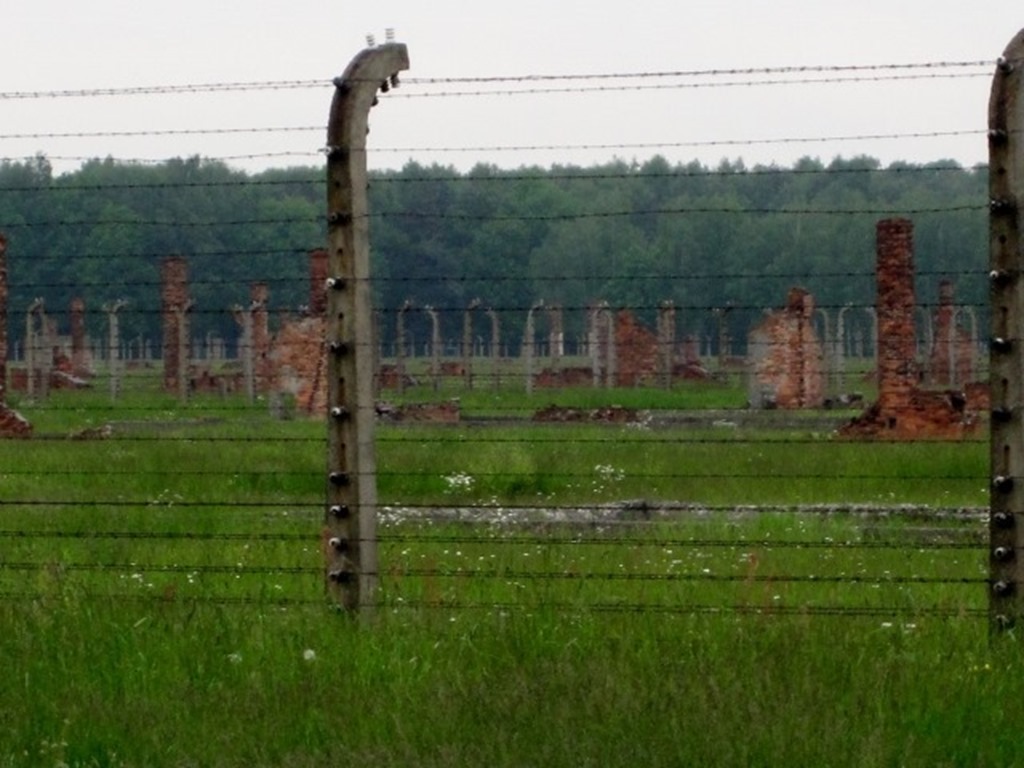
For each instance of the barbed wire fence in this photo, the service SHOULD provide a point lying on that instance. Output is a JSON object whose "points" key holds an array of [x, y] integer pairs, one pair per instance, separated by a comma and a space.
{"points": [[564, 477]]}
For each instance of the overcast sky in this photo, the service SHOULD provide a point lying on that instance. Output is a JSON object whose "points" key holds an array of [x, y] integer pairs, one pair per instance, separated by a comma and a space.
{"points": [[58, 45]]}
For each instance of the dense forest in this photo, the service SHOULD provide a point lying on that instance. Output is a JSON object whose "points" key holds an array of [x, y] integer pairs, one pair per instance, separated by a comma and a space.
{"points": [[633, 234]]}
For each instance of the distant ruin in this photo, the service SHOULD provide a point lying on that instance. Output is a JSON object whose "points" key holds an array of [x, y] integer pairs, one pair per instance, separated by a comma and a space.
{"points": [[951, 359], [786, 358], [12, 423], [174, 307], [905, 410], [296, 357]]}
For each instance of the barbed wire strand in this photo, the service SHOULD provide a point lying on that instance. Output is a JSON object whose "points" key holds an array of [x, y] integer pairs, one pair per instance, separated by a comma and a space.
{"points": [[275, 85]]}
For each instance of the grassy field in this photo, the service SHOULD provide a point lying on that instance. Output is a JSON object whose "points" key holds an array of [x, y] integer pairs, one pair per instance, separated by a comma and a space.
{"points": [[162, 599]]}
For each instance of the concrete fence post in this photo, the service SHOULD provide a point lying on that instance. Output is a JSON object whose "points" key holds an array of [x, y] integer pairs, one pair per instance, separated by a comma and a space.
{"points": [[529, 345], [721, 320], [841, 346], [556, 336], [495, 348], [435, 347], [826, 345], [182, 350], [875, 338], [243, 318], [666, 342], [972, 318], [1006, 356], [31, 347], [927, 342], [401, 342], [467, 343], [350, 521], [114, 346]]}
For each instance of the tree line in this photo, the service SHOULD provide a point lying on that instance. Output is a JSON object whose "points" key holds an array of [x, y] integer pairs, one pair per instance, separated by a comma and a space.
{"points": [[630, 233]]}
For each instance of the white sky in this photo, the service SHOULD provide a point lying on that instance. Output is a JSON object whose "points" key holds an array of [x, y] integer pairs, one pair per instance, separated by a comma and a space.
{"points": [[53, 45]]}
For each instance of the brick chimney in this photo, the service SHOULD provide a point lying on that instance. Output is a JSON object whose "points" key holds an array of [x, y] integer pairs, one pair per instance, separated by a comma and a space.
{"points": [[897, 371], [259, 295], [79, 363], [173, 297]]}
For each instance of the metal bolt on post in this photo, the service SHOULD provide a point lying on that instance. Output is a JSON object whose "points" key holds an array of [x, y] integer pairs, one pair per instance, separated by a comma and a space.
{"points": [[1006, 355], [350, 522]]}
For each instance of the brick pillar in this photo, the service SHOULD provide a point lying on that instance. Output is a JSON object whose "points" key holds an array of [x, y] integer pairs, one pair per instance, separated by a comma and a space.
{"points": [[800, 307], [79, 366], [897, 375], [317, 283], [809, 354], [259, 295], [173, 299]]}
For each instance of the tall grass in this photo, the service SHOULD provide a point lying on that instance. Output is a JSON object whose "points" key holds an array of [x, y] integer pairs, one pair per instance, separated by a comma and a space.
{"points": [[103, 684]]}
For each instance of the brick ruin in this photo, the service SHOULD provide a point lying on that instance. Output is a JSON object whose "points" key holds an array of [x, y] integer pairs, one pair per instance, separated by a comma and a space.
{"points": [[786, 357], [263, 372], [296, 358], [64, 371], [638, 355], [904, 410], [12, 423], [173, 305], [951, 362], [79, 363], [298, 355], [296, 361], [48, 364], [637, 349]]}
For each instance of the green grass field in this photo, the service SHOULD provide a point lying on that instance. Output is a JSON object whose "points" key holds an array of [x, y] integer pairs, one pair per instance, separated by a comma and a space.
{"points": [[163, 601]]}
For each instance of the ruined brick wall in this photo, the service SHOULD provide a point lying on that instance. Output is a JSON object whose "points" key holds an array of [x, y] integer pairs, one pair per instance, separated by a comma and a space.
{"points": [[173, 297], [12, 423], [786, 357], [636, 348], [296, 358], [299, 360]]}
